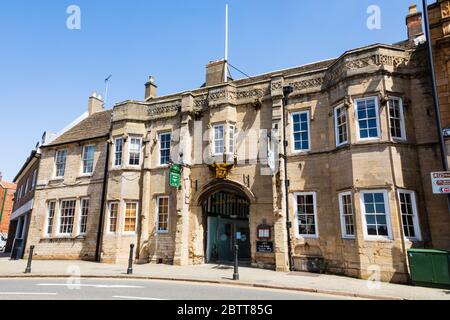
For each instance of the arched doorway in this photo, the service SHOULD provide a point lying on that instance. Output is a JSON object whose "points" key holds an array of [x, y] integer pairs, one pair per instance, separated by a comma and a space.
{"points": [[226, 213]]}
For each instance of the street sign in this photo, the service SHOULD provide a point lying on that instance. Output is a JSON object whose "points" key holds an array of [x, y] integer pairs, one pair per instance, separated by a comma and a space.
{"points": [[440, 182], [175, 176]]}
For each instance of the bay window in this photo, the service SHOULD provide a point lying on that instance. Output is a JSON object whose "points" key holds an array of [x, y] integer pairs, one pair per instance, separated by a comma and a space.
{"points": [[367, 118]]}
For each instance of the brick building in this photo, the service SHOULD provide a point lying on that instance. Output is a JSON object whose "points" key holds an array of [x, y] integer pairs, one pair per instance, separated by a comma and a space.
{"points": [[7, 191], [361, 143]]}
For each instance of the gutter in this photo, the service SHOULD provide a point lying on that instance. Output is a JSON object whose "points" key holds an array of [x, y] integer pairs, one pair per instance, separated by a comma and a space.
{"points": [[102, 209]]}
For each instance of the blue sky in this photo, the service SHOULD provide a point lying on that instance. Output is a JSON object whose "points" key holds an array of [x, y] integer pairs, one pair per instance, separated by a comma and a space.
{"points": [[47, 72]]}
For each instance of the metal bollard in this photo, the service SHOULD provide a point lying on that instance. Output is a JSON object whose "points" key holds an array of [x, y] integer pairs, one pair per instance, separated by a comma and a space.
{"points": [[30, 259], [236, 263], [130, 261]]}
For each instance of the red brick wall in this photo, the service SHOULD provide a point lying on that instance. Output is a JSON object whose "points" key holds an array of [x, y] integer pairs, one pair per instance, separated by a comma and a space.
{"points": [[4, 223]]}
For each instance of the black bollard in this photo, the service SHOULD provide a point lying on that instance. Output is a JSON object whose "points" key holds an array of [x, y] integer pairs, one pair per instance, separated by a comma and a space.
{"points": [[130, 262], [236, 263], [30, 259]]}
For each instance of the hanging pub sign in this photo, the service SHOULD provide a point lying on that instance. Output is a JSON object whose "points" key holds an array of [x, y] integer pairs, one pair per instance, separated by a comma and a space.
{"points": [[264, 246], [175, 176]]}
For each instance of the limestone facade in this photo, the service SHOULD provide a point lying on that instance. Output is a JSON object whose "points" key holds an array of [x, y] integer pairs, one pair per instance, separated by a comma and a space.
{"points": [[376, 178]]}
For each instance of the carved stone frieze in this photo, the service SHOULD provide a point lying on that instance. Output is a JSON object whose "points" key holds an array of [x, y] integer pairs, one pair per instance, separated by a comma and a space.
{"points": [[163, 110]]}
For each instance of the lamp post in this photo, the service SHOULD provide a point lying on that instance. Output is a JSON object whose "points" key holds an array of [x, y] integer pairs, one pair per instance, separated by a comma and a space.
{"points": [[287, 90]]}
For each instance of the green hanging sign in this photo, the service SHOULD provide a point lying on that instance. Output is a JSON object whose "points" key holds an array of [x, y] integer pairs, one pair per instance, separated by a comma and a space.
{"points": [[175, 176]]}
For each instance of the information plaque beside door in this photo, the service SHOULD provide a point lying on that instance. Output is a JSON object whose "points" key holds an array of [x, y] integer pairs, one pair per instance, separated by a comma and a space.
{"points": [[264, 246]]}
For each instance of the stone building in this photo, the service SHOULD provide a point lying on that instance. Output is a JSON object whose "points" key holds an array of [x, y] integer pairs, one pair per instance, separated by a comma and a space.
{"points": [[69, 189], [361, 143], [439, 14]]}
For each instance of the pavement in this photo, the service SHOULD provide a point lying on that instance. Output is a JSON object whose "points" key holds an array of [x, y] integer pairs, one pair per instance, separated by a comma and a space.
{"points": [[223, 275]]}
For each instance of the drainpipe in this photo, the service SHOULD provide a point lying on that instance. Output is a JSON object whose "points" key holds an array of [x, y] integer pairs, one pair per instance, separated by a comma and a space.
{"points": [[435, 94], [3, 204], [102, 209], [287, 90]]}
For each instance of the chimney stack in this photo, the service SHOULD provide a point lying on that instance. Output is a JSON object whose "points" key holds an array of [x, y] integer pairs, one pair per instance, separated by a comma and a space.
{"points": [[215, 73], [150, 88], [95, 104], [414, 23]]}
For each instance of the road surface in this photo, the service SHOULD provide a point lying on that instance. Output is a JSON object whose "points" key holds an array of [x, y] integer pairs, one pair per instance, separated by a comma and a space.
{"points": [[114, 289]]}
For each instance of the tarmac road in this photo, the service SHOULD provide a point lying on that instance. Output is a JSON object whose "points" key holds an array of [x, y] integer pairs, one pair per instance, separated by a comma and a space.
{"points": [[116, 289]]}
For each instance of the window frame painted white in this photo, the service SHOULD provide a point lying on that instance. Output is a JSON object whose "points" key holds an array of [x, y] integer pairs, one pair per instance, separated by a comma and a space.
{"points": [[377, 114], [27, 186], [342, 215], [47, 218], [160, 149], [58, 228], [108, 225], [214, 127], [158, 231], [80, 220], [115, 165], [125, 217], [55, 174], [293, 149], [416, 220], [33, 179], [129, 151], [83, 160], [296, 216], [231, 138], [368, 237], [336, 125], [402, 118]]}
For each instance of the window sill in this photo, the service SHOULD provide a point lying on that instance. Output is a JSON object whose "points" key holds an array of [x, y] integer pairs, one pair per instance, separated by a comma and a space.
{"points": [[367, 140], [342, 145], [312, 237], [299, 153], [85, 176], [62, 237], [378, 239], [129, 234], [56, 180]]}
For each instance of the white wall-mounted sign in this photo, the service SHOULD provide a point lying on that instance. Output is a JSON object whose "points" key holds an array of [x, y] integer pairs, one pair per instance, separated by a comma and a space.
{"points": [[440, 182]]}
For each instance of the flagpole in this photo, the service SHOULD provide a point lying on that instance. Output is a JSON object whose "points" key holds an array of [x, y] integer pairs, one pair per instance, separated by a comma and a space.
{"points": [[226, 44]]}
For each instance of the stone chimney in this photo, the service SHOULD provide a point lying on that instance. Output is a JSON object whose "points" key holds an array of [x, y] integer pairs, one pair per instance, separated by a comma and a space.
{"points": [[215, 72], [414, 23], [95, 103], [150, 88]]}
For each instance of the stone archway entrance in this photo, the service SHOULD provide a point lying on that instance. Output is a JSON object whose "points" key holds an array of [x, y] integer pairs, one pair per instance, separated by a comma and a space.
{"points": [[226, 213]]}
